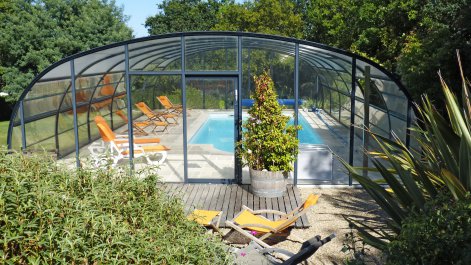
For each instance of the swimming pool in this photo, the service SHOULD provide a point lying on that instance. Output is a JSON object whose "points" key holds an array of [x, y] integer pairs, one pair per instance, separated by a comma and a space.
{"points": [[218, 130]]}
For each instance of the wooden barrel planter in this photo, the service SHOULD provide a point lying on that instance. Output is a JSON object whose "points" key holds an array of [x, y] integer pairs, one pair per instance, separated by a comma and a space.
{"points": [[267, 184]]}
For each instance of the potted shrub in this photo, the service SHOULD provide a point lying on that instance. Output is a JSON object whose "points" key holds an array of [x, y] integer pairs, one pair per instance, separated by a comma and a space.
{"points": [[269, 146]]}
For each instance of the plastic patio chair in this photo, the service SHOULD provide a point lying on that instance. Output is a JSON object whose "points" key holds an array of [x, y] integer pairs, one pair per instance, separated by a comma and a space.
{"points": [[206, 218], [259, 225], [120, 150], [139, 126], [156, 116], [254, 254], [169, 106]]}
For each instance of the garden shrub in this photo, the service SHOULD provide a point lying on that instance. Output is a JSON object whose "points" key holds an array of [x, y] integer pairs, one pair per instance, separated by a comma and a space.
{"points": [[441, 234], [49, 214]]}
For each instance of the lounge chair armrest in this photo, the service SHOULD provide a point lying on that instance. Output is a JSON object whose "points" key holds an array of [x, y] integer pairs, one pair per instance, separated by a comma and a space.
{"points": [[269, 211], [260, 226], [122, 136]]}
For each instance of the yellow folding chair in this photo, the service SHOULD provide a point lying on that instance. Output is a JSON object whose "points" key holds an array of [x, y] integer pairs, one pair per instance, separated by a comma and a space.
{"points": [[206, 218], [250, 223]]}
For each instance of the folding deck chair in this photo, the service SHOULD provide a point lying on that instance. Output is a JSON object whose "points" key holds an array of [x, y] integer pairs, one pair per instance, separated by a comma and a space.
{"points": [[139, 126], [156, 116], [169, 106], [252, 220], [206, 218]]}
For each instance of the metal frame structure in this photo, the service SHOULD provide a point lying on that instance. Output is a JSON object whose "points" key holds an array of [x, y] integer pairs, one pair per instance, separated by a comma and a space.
{"points": [[330, 68]]}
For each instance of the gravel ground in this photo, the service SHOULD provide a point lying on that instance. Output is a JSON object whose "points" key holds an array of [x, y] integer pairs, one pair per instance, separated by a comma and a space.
{"points": [[327, 217]]}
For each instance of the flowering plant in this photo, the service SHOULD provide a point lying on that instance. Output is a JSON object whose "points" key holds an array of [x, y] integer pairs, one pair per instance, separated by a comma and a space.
{"points": [[267, 141]]}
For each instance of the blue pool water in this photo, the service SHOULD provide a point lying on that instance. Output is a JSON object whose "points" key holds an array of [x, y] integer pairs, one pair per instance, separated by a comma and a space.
{"points": [[218, 130]]}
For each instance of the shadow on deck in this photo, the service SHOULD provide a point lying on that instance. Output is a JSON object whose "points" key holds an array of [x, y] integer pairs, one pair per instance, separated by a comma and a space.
{"points": [[230, 198]]}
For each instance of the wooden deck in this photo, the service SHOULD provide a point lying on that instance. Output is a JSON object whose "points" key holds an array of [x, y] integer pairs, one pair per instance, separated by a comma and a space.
{"points": [[230, 198]]}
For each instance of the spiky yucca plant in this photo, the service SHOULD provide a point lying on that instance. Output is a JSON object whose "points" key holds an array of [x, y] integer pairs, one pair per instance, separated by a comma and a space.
{"points": [[414, 177]]}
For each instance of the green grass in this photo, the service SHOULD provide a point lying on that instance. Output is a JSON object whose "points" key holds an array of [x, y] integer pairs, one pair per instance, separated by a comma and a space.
{"points": [[3, 132]]}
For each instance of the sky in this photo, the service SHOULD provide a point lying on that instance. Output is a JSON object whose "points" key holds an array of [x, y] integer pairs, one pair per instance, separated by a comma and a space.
{"points": [[138, 11]]}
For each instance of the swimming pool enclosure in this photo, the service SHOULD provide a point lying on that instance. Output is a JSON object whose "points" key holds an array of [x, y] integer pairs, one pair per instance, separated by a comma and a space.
{"points": [[210, 73]]}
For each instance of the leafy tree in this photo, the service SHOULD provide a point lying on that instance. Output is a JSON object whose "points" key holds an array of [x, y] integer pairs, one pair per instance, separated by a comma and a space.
{"points": [[277, 17], [37, 33], [444, 27], [411, 37], [184, 15]]}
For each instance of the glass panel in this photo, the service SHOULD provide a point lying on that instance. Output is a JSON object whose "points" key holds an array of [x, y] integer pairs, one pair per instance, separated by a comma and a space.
{"points": [[66, 133], [156, 55], [211, 53], [40, 134], [98, 62], [276, 57], [210, 123], [160, 122], [16, 138]]}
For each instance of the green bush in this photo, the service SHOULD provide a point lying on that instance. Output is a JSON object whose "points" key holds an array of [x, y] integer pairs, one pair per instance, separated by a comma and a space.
{"points": [[441, 234], [49, 214], [267, 141]]}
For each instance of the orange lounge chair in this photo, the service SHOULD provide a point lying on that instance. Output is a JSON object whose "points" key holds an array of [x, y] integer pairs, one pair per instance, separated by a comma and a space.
{"points": [[119, 148], [169, 106], [155, 116], [120, 139], [139, 126], [259, 225]]}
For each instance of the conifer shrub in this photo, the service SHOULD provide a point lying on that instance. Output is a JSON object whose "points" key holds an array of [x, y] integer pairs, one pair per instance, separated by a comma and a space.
{"points": [[268, 142], [49, 214]]}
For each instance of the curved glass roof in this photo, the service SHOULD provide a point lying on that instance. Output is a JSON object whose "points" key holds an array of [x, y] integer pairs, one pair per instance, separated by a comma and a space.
{"points": [[56, 111]]}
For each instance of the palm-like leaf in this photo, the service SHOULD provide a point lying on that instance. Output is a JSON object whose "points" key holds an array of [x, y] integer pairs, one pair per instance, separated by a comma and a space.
{"points": [[443, 162]]}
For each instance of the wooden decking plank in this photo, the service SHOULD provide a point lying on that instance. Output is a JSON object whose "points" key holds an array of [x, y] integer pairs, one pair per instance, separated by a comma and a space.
{"points": [[214, 197], [186, 191], [167, 187], [256, 203], [238, 200], [244, 195], [174, 190], [199, 198], [287, 200], [225, 205], [191, 198], [180, 190], [209, 196], [250, 198], [171, 189], [263, 205], [294, 203], [220, 199], [281, 204], [230, 209], [299, 201], [269, 206]]}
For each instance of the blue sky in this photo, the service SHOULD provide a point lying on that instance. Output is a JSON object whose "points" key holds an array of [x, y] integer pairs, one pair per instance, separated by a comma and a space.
{"points": [[138, 11]]}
